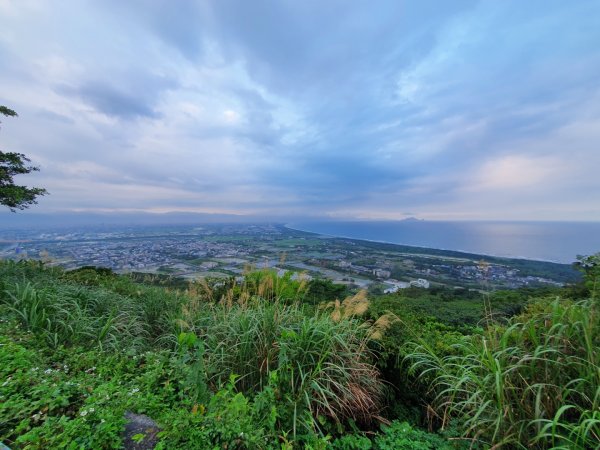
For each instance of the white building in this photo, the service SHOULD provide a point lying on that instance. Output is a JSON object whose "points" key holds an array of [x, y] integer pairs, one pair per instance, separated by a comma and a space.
{"points": [[394, 286], [382, 273], [420, 283]]}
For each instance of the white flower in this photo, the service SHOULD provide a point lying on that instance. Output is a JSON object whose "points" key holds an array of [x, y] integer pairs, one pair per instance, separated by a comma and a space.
{"points": [[83, 413], [48, 371], [134, 391]]}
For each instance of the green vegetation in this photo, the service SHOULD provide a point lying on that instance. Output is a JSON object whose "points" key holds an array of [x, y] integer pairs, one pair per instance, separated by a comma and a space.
{"points": [[11, 195], [226, 250], [425, 256], [280, 362], [535, 381], [460, 307]]}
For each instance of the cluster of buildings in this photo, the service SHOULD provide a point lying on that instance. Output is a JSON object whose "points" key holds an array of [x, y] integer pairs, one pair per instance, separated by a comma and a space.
{"points": [[495, 274], [122, 254], [395, 285], [228, 250]]}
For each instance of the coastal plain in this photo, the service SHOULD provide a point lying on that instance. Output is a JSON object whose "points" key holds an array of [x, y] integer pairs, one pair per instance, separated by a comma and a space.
{"points": [[231, 250]]}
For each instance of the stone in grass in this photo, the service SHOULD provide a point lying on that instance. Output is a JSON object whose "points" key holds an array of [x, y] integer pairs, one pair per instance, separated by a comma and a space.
{"points": [[140, 432]]}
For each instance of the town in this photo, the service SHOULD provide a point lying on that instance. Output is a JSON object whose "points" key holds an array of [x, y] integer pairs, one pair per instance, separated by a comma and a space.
{"points": [[230, 250]]}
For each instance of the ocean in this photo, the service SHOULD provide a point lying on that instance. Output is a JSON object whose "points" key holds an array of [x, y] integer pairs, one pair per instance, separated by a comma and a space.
{"points": [[546, 241]]}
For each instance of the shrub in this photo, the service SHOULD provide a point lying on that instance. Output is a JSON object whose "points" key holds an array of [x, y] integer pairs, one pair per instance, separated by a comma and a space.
{"points": [[352, 442], [401, 436]]}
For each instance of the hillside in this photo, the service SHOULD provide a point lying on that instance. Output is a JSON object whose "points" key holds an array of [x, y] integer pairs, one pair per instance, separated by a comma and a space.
{"points": [[275, 362]]}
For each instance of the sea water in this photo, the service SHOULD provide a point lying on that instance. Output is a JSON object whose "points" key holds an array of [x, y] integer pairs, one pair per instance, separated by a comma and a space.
{"points": [[548, 241]]}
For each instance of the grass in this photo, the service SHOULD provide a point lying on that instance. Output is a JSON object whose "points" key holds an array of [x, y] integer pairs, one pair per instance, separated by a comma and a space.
{"points": [[319, 370], [534, 383], [252, 365], [321, 366], [93, 308]]}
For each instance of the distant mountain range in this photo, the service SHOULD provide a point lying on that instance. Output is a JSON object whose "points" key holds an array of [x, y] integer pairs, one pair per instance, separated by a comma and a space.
{"points": [[32, 219], [40, 220]]}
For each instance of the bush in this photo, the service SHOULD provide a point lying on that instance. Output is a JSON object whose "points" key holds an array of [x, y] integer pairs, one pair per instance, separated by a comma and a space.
{"points": [[352, 442], [401, 436]]}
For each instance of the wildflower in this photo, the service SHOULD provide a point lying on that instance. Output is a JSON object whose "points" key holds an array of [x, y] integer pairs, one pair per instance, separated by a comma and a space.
{"points": [[83, 413], [48, 371], [134, 391]]}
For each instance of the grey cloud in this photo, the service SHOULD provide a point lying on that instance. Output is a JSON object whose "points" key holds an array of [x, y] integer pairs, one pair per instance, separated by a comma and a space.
{"points": [[55, 117], [115, 102], [312, 92], [302, 45], [180, 25], [129, 95]]}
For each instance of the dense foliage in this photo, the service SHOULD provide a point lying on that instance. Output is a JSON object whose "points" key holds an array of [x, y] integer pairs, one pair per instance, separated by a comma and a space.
{"points": [[11, 163], [532, 383], [258, 365]]}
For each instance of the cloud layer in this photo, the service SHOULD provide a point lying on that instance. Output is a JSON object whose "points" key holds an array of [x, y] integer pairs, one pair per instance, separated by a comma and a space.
{"points": [[450, 110]]}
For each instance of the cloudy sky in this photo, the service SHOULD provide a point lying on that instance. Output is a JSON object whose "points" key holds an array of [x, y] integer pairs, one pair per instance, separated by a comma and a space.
{"points": [[379, 109]]}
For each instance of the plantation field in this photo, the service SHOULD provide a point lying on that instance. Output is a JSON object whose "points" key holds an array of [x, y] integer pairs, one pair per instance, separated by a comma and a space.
{"points": [[275, 362]]}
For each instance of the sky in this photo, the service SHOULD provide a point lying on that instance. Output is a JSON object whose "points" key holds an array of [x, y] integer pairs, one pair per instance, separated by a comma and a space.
{"points": [[461, 110]]}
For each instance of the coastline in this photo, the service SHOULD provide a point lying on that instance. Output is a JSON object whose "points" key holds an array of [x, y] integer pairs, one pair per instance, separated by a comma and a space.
{"points": [[416, 247]]}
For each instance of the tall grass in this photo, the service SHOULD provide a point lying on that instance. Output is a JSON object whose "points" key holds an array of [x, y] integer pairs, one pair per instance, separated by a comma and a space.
{"points": [[319, 367], [70, 315], [112, 313], [316, 364], [532, 384]]}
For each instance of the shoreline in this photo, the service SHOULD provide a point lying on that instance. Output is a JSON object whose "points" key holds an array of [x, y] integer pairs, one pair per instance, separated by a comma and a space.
{"points": [[523, 258]]}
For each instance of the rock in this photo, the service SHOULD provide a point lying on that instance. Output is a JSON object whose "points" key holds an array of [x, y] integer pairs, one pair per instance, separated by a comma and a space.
{"points": [[140, 425]]}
